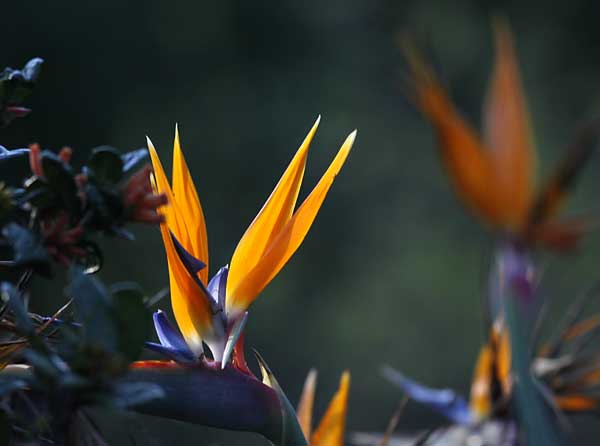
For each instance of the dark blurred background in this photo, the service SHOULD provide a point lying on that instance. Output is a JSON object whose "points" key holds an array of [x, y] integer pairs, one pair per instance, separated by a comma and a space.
{"points": [[393, 269]]}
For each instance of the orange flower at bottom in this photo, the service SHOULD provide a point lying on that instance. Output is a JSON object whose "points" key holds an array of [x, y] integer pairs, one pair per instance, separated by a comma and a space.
{"points": [[331, 429]]}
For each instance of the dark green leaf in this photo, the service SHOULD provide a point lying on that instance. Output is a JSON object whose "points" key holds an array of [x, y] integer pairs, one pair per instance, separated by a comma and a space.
{"points": [[94, 310], [28, 248], [43, 365], [93, 260], [14, 166], [5, 428], [83, 432], [60, 178], [132, 317], [105, 165], [11, 297], [73, 381], [39, 195], [105, 203], [10, 383]]}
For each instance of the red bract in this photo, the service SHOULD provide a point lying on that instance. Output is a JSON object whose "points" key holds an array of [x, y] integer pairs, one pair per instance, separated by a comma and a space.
{"points": [[61, 241], [140, 199]]}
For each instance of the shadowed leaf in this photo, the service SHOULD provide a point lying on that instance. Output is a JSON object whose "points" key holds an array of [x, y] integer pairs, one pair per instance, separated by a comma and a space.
{"points": [[105, 165]]}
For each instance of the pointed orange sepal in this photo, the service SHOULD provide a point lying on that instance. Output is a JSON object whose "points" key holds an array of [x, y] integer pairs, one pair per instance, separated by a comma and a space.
{"points": [[508, 134], [287, 241], [330, 431], [190, 306], [185, 193], [274, 215], [305, 406]]}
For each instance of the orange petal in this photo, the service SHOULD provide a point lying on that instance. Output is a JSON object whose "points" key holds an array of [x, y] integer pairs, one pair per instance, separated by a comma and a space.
{"points": [[481, 384], [173, 215], [190, 306], [330, 431], [305, 406], [508, 132], [287, 241], [271, 219], [503, 361], [191, 210], [575, 403], [467, 163]]}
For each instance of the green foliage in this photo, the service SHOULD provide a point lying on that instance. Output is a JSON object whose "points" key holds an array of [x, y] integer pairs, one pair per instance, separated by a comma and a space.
{"points": [[113, 320], [53, 367], [105, 166], [28, 248]]}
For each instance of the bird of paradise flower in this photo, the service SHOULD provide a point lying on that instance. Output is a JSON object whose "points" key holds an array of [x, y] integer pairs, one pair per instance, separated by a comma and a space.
{"points": [[493, 174], [493, 177], [222, 391]]}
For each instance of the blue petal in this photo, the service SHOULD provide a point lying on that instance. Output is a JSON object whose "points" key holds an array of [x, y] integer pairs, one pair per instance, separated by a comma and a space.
{"points": [[31, 70], [167, 334], [191, 263], [216, 286], [133, 159], [444, 401], [178, 355], [14, 153]]}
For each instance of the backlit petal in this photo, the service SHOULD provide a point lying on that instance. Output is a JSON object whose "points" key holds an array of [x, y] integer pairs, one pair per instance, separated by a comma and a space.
{"points": [[273, 216], [191, 210], [287, 241], [191, 306], [508, 133], [330, 431], [173, 216]]}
